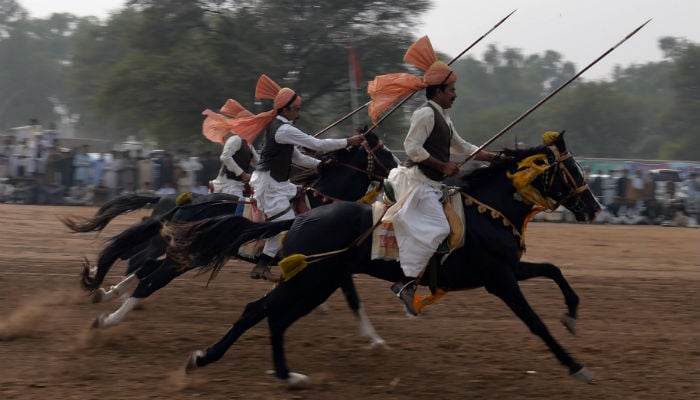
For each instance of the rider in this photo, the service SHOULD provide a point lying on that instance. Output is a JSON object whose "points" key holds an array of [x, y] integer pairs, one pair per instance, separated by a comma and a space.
{"points": [[272, 189], [419, 221], [238, 158]]}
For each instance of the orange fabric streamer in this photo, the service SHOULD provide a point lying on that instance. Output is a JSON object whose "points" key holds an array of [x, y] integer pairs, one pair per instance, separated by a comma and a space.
{"points": [[216, 126], [421, 54], [250, 127], [385, 90]]}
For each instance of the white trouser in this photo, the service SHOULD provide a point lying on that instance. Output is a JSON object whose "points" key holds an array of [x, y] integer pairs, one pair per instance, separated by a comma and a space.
{"points": [[233, 188], [419, 221], [272, 198]]}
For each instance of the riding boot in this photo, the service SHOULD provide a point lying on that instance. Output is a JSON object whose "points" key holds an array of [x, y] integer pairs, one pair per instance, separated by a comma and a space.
{"points": [[405, 290], [262, 269]]}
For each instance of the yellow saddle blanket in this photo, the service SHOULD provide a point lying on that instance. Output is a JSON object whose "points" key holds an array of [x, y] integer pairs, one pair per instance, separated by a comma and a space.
{"points": [[385, 246]]}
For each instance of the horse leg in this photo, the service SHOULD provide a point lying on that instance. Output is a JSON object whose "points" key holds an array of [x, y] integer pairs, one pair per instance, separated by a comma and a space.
{"points": [[115, 290], [107, 320], [527, 270], [155, 249], [353, 299], [253, 313], [121, 288], [163, 274], [511, 294]]}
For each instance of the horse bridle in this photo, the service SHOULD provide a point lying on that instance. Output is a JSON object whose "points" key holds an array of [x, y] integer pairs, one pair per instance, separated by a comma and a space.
{"points": [[372, 159], [558, 168]]}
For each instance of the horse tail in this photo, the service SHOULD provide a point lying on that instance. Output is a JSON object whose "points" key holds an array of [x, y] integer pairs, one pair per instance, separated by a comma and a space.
{"points": [[110, 210], [213, 241], [122, 246]]}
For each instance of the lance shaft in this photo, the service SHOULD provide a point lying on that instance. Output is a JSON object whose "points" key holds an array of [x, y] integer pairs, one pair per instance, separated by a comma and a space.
{"points": [[405, 99], [550, 95], [343, 118]]}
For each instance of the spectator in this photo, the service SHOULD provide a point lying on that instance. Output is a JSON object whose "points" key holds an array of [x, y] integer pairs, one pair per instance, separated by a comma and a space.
{"points": [[79, 194], [597, 185], [145, 169], [166, 170], [167, 189], [6, 151], [210, 168], [22, 153], [129, 171], [112, 166], [82, 164], [98, 172], [188, 178]]}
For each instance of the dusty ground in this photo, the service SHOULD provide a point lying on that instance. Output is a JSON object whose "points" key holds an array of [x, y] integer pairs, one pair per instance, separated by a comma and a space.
{"points": [[639, 326]]}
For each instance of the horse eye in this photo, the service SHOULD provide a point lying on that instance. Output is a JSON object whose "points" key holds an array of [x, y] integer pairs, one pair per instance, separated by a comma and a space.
{"points": [[539, 162]]}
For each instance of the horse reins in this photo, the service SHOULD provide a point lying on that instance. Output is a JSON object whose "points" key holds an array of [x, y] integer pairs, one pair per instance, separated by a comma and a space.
{"points": [[566, 177]]}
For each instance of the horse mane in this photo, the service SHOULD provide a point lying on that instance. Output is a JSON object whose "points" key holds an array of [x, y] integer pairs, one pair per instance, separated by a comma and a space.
{"points": [[499, 167]]}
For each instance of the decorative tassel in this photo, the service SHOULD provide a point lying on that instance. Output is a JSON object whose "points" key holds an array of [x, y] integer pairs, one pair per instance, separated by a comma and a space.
{"points": [[369, 197], [292, 265], [183, 199], [550, 137]]}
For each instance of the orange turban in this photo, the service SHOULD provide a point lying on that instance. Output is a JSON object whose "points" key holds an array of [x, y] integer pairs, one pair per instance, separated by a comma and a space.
{"points": [[250, 127], [385, 90], [217, 126]]}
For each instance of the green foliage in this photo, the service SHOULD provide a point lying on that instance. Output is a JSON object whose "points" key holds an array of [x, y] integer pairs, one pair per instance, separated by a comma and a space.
{"points": [[153, 67]]}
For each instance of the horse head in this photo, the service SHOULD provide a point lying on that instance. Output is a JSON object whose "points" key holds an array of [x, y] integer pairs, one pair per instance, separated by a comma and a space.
{"points": [[345, 174], [549, 176]]}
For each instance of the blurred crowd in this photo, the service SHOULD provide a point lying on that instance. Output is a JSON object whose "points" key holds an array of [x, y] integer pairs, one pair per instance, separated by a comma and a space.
{"points": [[38, 170], [654, 197]]}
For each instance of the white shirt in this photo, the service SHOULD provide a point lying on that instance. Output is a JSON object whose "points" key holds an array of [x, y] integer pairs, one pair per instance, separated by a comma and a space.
{"points": [[289, 134], [231, 147], [422, 124]]}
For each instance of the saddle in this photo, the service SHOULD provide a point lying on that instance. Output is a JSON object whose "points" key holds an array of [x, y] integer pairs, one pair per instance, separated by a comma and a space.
{"points": [[384, 244]]}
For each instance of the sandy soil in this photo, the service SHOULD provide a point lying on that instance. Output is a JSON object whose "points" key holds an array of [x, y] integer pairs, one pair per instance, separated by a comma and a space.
{"points": [[638, 331]]}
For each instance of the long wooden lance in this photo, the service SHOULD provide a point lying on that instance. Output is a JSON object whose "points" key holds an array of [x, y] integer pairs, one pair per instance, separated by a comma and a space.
{"points": [[550, 95], [343, 118], [405, 99]]}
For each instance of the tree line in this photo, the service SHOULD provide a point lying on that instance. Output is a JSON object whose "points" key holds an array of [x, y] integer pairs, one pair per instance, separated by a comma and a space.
{"points": [[151, 68]]}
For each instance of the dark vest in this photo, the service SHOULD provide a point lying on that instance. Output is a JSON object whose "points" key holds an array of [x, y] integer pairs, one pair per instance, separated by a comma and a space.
{"points": [[275, 157], [242, 158], [437, 145]]}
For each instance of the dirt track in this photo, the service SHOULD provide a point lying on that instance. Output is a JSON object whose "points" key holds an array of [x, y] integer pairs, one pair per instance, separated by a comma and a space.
{"points": [[638, 330]]}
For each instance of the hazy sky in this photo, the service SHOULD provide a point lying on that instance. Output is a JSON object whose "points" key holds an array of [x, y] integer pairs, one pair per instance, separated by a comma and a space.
{"points": [[580, 30]]}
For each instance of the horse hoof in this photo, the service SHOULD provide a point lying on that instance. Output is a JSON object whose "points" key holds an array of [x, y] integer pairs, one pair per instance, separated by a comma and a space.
{"points": [[583, 375], [569, 323], [100, 296], [98, 322], [192, 361], [379, 344], [297, 380]]}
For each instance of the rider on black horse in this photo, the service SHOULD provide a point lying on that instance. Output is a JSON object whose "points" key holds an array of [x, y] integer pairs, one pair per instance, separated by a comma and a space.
{"points": [[419, 221], [238, 157], [272, 189]]}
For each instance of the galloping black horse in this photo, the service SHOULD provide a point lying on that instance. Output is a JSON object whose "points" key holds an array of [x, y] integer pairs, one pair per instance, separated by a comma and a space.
{"points": [[344, 175], [497, 203]]}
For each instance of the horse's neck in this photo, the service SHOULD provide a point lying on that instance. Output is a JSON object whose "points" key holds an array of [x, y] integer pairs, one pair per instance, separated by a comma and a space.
{"points": [[500, 195], [341, 183]]}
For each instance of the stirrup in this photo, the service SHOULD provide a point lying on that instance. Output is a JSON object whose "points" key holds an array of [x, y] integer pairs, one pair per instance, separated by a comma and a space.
{"points": [[406, 293]]}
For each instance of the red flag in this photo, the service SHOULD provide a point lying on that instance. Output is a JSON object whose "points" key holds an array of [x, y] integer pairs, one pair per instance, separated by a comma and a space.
{"points": [[355, 70]]}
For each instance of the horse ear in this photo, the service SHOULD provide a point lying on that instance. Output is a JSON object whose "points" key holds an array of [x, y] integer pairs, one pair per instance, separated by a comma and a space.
{"points": [[561, 144], [553, 138]]}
